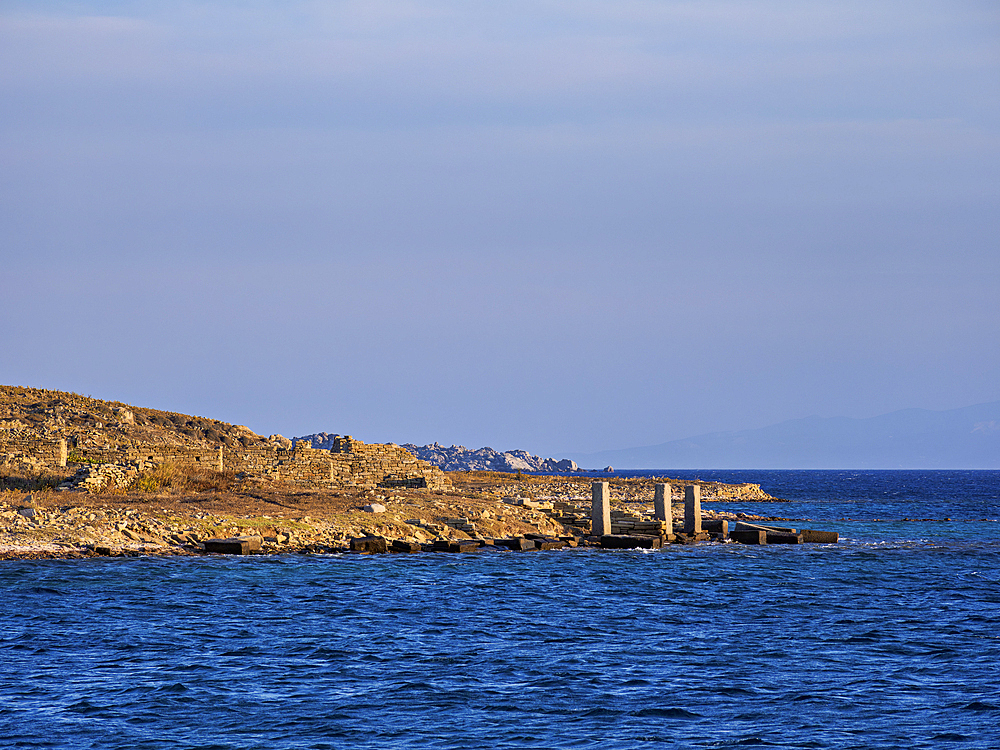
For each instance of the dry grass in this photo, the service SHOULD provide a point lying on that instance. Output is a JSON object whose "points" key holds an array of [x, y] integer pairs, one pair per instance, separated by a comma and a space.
{"points": [[29, 480], [175, 479]]}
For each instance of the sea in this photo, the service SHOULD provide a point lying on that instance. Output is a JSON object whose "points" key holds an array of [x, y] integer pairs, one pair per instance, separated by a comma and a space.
{"points": [[888, 639]]}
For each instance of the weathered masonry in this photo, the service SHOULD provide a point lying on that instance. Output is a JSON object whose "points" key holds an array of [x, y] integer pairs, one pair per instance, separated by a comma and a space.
{"points": [[350, 463]]}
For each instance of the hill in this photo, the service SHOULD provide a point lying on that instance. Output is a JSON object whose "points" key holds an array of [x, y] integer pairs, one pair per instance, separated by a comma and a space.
{"points": [[59, 414]]}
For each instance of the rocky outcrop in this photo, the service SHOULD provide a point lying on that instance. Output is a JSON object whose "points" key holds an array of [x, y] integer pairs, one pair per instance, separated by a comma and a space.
{"points": [[460, 458]]}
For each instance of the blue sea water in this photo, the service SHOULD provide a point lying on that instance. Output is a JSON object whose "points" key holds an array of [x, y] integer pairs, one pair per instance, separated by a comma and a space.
{"points": [[889, 639]]}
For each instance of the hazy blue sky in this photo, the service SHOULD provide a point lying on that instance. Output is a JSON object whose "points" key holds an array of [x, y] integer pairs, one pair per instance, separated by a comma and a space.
{"points": [[560, 226]]}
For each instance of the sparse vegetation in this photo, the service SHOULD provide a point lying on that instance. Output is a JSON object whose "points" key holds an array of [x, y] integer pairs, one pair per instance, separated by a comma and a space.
{"points": [[178, 479], [29, 480]]}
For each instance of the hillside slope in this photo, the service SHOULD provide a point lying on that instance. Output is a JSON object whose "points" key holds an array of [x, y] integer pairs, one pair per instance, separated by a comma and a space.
{"points": [[59, 414]]}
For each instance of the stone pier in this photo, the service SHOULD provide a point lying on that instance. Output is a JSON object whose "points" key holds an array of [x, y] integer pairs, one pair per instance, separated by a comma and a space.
{"points": [[661, 504], [600, 509], [692, 509]]}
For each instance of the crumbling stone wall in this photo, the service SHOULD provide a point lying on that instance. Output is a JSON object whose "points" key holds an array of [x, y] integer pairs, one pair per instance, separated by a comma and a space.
{"points": [[209, 458], [21, 447], [351, 463]]}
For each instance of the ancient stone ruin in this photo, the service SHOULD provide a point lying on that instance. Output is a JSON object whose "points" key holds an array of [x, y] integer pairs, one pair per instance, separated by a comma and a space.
{"points": [[348, 463]]}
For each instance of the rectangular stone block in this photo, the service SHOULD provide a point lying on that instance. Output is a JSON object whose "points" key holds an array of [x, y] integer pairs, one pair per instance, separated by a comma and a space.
{"points": [[716, 526], [661, 503], [633, 541], [692, 509], [233, 546], [518, 543], [780, 537], [749, 536], [548, 542], [820, 537], [600, 509], [407, 547], [768, 527], [369, 544]]}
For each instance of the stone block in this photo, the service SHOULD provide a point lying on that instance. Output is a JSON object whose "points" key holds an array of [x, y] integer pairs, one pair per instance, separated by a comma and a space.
{"points": [[749, 536], [408, 547], [820, 537], [449, 545], [240, 545], [374, 508], [630, 541], [782, 529], [715, 525], [518, 543], [781, 537], [369, 544], [692, 509], [546, 542]]}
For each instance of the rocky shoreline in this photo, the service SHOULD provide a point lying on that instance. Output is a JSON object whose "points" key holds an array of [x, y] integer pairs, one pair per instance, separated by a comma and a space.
{"points": [[482, 507]]}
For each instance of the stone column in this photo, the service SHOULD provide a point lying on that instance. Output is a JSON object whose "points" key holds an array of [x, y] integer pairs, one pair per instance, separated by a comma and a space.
{"points": [[661, 504], [600, 509], [692, 509]]}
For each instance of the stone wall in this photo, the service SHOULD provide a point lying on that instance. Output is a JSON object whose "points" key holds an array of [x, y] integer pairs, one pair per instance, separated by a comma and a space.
{"points": [[19, 447], [350, 464], [209, 458]]}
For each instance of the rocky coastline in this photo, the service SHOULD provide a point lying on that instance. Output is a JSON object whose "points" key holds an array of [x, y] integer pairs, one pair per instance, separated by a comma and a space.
{"points": [[482, 507], [84, 477]]}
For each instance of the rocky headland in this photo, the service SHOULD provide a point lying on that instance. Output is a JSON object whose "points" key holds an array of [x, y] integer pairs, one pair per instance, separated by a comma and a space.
{"points": [[60, 497]]}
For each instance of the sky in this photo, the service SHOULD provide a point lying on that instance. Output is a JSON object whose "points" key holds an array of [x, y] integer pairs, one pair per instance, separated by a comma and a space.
{"points": [[549, 225]]}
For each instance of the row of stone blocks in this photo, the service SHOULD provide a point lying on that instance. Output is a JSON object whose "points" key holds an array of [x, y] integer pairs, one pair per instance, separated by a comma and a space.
{"points": [[748, 533], [378, 545]]}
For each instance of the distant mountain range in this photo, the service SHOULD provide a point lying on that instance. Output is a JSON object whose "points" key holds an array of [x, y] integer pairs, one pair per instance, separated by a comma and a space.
{"points": [[967, 438]]}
